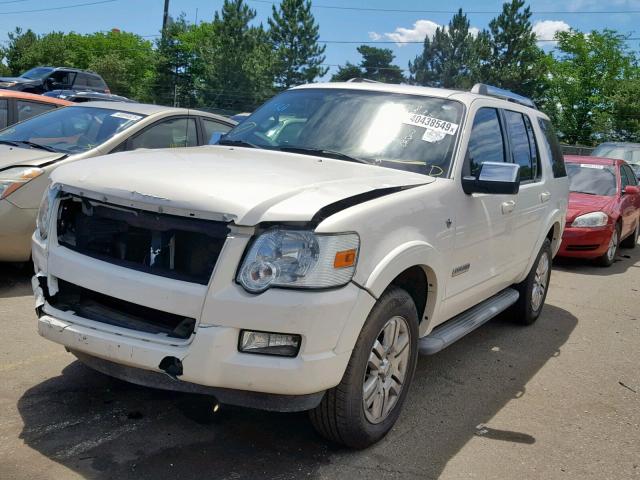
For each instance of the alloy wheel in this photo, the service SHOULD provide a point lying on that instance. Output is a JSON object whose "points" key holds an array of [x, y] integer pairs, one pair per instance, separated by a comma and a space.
{"points": [[540, 282]]}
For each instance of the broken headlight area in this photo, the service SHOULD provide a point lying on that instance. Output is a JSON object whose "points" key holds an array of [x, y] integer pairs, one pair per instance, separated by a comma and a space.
{"points": [[102, 308], [166, 245]]}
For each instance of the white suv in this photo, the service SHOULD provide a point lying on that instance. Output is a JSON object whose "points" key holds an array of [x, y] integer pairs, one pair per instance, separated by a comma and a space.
{"points": [[306, 260]]}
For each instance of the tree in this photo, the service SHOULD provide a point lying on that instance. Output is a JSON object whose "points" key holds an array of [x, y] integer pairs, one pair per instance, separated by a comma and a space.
{"points": [[626, 111], [515, 62], [16, 52], [590, 73], [375, 65], [451, 58], [294, 35]]}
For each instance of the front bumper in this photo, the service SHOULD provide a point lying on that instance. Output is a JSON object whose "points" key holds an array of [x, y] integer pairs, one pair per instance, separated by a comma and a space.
{"points": [[585, 242], [16, 227]]}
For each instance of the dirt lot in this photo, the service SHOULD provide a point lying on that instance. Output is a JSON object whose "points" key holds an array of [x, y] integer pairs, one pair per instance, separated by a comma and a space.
{"points": [[560, 399]]}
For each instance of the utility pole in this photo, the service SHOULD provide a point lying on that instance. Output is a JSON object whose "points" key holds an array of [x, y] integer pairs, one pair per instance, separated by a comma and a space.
{"points": [[165, 17]]}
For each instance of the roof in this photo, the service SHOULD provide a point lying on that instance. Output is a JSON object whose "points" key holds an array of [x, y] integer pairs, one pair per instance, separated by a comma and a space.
{"points": [[32, 96], [591, 160], [621, 144], [464, 96]]}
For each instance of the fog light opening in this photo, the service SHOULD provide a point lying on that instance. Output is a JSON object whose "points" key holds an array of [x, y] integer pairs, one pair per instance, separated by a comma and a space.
{"points": [[269, 343]]}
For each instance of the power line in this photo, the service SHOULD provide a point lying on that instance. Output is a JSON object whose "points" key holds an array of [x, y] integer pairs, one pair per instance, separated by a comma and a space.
{"points": [[61, 7], [488, 12]]}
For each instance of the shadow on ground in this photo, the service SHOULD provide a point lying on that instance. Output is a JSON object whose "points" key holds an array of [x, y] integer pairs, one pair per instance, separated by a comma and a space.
{"points": [[103, 428], [626, 259], [14, 279]]}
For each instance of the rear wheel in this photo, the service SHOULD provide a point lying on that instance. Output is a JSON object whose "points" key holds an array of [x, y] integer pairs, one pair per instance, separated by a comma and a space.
{"points": [[609, 256], [632, 240], [533, 289], [366, 404]]}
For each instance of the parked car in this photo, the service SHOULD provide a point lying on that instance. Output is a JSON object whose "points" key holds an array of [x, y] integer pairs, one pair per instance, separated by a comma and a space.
{"points": [[604, 209], [44, 79], [31, 150], [18, 106], [86, 96], [629, 152], [302, 265]]}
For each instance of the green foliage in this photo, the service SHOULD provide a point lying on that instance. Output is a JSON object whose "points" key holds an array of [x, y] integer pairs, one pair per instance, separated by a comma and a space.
{"points": [[450, 59], [294, 35], [515, 61], [587, 82], [376, 65]]}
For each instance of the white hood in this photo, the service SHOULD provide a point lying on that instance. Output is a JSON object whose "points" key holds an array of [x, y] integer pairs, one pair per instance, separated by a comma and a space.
{"points": [[247, 185]]}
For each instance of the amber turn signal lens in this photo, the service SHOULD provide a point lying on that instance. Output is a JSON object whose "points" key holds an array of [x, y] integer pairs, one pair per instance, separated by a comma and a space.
{"points": [[346, 258]]}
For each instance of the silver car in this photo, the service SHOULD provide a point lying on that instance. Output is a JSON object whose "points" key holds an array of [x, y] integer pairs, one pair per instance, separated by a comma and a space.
{"points": [[30, 150]]}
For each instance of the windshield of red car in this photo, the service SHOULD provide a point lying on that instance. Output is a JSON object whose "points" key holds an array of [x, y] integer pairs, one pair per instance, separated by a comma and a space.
{"points": [[592, 179]]}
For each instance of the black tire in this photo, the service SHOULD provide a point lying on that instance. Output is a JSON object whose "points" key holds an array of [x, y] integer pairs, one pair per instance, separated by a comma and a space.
{"points": [[632, 240], [607, 260], [341, 417], [524, 311]]}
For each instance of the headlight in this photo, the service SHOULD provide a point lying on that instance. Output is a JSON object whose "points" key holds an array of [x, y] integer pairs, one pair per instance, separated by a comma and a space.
{"points": [[299, 259], [12, 179], [7, 84], [44, 213], [593, 219]]}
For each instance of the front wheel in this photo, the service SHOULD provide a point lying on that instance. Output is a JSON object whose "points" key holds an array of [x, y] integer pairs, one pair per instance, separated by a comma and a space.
{"points": [[533, 289], [364, 406], [609, 256]]}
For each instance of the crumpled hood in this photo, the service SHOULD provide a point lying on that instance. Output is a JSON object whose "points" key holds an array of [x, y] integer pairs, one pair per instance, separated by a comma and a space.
{"points": [[247, 185], [580, 203], [25, 157]]}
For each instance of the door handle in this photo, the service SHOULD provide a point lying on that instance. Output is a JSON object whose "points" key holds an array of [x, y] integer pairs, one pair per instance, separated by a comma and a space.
{"points": [[544, 197], [507, 207]]}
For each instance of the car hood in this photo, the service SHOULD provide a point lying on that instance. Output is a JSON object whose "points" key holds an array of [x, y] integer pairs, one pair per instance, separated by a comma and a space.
{"points": [[17, 80], [580, 203], [26, 157], [245, 185]]}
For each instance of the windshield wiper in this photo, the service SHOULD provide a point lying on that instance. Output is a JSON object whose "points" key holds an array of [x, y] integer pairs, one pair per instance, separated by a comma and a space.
{"points": [[37, 145], [9, 142], [320, 152], [236, 143]]}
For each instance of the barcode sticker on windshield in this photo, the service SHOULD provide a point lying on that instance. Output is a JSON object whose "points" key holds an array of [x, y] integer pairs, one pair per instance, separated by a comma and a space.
{"points": [[430, 123], [591, 165], [126, 116]]}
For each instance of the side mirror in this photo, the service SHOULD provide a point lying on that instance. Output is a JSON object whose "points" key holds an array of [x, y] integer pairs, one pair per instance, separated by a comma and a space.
{"points": [[215, 138], [631, 190], [494, 177]]}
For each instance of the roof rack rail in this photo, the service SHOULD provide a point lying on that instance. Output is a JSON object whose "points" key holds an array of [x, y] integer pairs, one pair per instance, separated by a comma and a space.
{"points": [[503, 94], [362, 80]]}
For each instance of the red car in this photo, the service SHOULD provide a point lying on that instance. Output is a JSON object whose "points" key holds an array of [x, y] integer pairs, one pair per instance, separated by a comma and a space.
{"points": [[604, 209]]}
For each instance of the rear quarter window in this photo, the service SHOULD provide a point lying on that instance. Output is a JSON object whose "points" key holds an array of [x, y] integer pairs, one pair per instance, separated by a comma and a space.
{"points": [[552, 145]]}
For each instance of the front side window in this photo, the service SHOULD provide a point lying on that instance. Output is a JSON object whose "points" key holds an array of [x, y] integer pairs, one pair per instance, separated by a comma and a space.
{"points": [[176, 132], [70, 130], [592, 179], [632, 177], [62, 79], [485, 143], [406, 132], [552, 146], [28, 109]]}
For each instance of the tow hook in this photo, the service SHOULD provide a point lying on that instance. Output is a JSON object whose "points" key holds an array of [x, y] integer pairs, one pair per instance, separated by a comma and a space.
{"points": [[172, 366]]}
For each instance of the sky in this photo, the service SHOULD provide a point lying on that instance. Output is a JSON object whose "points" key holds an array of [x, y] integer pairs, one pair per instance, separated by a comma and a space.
{"points": [[411, 20]]}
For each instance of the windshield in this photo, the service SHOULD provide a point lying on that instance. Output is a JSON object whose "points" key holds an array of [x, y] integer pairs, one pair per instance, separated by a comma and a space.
{"points": [[37, 73], [71, 129], [629, 154], [591, 179], [406, 132]]}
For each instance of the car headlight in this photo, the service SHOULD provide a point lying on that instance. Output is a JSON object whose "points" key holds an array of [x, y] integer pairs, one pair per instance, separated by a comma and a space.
{"points": [[299, 259], [593, 219], [12, 179], [44, 212], [7, 84]]}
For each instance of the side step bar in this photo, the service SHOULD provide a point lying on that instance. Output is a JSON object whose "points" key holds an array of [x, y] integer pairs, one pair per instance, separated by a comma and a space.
{"points": [[444, 335]]}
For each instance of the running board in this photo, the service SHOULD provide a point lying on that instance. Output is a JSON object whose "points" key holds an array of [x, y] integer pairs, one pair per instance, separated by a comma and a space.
{"points": [[444, 335]]}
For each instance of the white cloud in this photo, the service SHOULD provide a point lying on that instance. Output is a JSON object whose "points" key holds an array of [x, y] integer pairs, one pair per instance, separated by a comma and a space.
{"points": [[420, 30], [546, 29]]}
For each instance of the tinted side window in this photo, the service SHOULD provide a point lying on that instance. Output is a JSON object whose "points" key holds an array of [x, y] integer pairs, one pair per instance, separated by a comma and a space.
{"points": [[551, 143], [177, 132], [4, 109], [211, 127], [631, 176], [62, 78], [81, 81], [28, 109], [96, 83], [520, 147], [485, 143]]}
